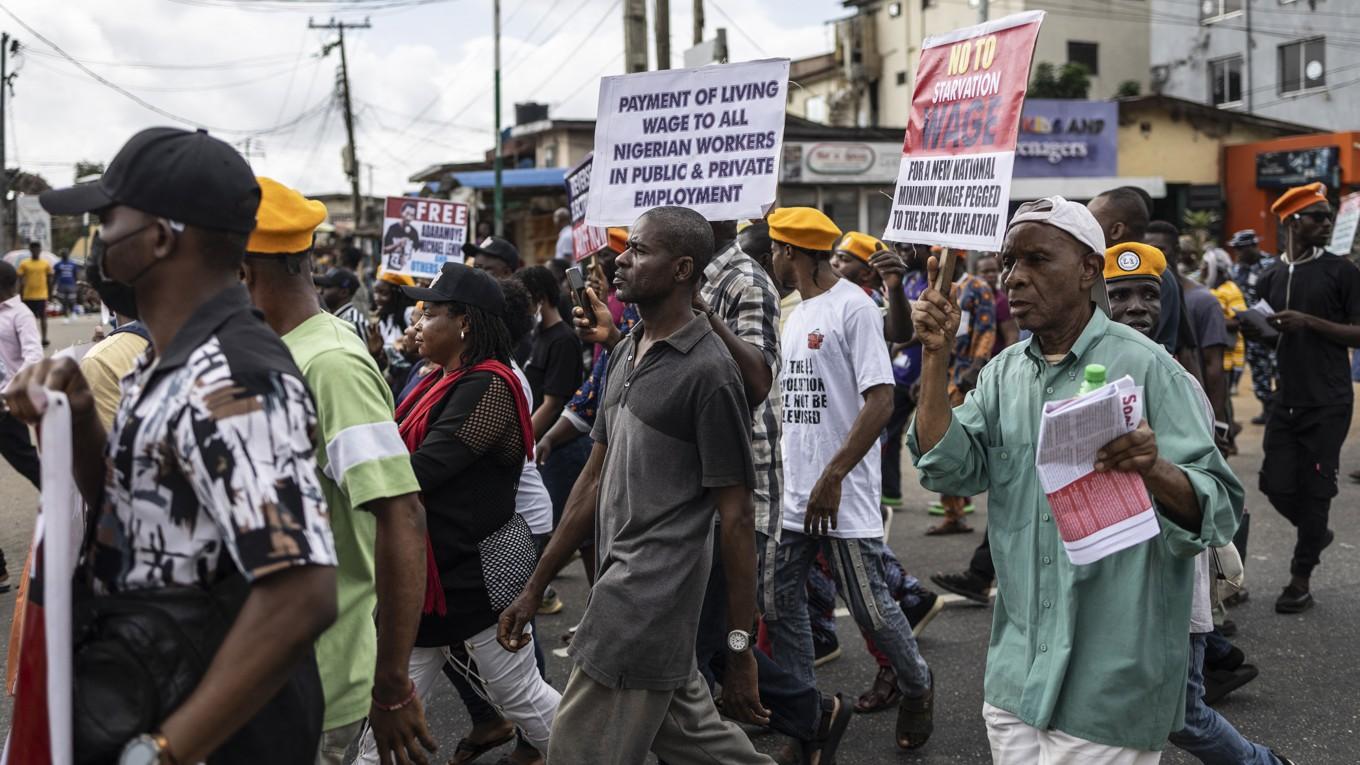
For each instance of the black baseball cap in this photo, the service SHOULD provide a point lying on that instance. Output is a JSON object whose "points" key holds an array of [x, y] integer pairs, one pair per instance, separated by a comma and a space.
{"points": [[497, 248], [338, 277], [186, 176], [457, 283]]}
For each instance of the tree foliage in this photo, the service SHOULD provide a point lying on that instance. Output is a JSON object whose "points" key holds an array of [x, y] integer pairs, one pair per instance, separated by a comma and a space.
{"points": [[1072, 81]]}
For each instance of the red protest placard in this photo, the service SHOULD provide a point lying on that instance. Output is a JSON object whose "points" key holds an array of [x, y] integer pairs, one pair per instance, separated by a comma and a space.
{"points": [[585, 240], [953, 185]]}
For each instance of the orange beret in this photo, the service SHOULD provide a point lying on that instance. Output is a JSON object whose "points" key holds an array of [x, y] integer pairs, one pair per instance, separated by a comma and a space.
{"points": [[285, 221], [860, 245], [1299, 198], [618, 239], [1130, 259], [804, 227], [394, 278]]}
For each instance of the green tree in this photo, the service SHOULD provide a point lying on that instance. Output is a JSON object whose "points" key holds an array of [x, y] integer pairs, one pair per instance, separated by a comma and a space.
{"points": [[1072, 81], [86, 167], [1128, 89]]}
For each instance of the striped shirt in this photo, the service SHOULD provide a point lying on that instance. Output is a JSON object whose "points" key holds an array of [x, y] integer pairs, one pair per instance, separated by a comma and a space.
{"points": [[743, 296], [354, 315]]}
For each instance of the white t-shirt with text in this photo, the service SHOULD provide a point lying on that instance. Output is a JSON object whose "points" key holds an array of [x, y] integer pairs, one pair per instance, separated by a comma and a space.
{"points": [[833, 351]]}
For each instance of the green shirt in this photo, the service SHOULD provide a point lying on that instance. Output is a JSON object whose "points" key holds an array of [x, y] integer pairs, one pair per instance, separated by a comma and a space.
{"points": [[363, 459], [1096, 651]]}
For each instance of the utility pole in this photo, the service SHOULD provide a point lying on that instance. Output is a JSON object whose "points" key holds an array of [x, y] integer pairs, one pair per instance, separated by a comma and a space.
{"points": [[498, 195], [982, 11], [663, 34], [698, 21], [351, 157], [635, 36], [5, 50]]}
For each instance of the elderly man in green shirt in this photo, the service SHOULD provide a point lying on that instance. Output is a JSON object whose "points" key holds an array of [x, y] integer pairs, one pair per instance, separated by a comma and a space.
{"points": [[1087, 663]]}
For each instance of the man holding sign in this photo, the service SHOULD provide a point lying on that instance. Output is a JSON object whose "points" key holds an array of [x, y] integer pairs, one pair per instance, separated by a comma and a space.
{"points": [[1086, 663]]}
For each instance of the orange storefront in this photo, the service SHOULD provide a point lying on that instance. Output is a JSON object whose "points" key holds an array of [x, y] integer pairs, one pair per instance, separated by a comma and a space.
{"points": [[1255, 174]]}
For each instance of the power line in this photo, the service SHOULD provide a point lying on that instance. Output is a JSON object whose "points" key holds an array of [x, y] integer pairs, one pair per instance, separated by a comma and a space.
{"points": [[195, 88], [309, 6], [592, 78], [737, 26], [244, 63], [138, 99]]}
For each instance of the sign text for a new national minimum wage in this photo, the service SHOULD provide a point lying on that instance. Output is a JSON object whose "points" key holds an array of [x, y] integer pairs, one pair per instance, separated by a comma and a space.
{"points": [[420, 235], [707, 139], [954, 184]]}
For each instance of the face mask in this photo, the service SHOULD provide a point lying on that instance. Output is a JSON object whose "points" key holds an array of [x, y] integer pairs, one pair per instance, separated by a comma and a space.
{"points": [[120, 297]]}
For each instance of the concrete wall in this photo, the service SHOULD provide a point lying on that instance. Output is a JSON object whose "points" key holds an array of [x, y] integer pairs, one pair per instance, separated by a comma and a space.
{"points": [[1185, 46], [1176, 147]]}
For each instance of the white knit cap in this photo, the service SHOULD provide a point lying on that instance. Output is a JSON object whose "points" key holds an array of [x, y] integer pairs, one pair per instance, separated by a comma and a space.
{"points": [[1076, 220]]}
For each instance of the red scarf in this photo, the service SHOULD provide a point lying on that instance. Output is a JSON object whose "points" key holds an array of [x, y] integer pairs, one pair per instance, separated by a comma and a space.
{"points": [[413, 418]]}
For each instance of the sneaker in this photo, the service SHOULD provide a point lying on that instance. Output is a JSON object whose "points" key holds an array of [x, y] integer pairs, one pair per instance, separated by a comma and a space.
{"points": [[920, 614], [1259, 419], [1283, 760], [1236, 599], [938, 509], [893, 502], [1228, 628], [824, 649], [1218, 684], [967, 584], [1293, 601], [550, 604]]}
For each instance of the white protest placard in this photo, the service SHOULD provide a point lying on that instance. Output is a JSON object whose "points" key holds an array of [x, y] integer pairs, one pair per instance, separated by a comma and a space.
{"points": [[32, 223], [953, 187], [421, 235], [708, 139], [1343, 230]]}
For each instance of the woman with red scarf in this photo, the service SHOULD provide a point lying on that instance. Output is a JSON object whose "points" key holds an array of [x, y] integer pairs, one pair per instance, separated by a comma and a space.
{"points": [[467, 427]]}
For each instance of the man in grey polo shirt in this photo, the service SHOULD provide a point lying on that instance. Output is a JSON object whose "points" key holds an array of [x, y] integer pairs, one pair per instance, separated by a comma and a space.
{"points": [[672, 447]]}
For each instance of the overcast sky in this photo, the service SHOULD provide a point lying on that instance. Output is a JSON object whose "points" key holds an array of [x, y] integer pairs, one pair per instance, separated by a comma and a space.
{"points": [[421, 76]]}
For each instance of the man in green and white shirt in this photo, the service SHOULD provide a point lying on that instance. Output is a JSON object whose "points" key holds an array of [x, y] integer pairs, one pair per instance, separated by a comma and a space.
{"points": [[369, 487]]}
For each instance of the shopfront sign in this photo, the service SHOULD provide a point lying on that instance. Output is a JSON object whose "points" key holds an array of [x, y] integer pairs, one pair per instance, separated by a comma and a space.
{"points": [[1066, 139], [1287, 169], [840, 162]]}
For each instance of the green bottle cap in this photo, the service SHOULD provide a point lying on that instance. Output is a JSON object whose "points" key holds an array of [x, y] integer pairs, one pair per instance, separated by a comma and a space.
{"points": [[1095, 374]]}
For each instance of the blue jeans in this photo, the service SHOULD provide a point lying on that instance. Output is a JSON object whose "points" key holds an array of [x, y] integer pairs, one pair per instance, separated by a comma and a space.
{"points": [[1207, 736], [857, 565]]}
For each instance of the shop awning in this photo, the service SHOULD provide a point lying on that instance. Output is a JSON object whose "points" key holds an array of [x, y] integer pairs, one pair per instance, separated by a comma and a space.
{"points": [[533, 177], [1025, 189]]}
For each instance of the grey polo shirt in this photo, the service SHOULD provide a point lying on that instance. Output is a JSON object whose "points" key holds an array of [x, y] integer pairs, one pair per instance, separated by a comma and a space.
{"points": [[675, 425]]}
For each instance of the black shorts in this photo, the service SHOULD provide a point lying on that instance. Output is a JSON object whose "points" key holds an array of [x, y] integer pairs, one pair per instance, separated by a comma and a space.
{"points": [[1303, 450], [38, 307]]}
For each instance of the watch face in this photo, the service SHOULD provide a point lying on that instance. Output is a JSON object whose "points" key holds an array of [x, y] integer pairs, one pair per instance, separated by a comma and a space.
{"points": [[140, 751], [738, 641]]}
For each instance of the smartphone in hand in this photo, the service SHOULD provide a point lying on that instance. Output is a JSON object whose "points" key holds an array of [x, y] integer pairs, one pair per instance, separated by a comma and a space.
{"points": [[576, 281]]}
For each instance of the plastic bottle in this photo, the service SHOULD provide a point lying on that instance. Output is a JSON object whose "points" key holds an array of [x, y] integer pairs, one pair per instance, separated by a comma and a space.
{"points": [[1092, 378]]}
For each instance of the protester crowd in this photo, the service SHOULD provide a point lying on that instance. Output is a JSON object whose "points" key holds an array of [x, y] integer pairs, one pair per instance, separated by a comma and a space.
{"points": [[384, 476]]}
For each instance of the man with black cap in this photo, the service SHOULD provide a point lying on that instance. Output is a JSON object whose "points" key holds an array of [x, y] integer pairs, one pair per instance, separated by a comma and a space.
{"points": [[494, 255], [1315, 298], [338, 288], [207, 478]]}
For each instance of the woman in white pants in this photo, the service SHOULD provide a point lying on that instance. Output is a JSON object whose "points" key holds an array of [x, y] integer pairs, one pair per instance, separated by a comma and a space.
{"points": [[468, 429]]}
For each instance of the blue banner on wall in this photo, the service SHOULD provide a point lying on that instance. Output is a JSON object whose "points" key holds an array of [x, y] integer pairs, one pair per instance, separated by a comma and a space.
{"points": [[1064, 139]]}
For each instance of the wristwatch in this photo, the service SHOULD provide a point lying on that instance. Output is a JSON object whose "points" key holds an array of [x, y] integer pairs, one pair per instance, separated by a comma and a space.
{"points": [[738, 641], [147, 749]]}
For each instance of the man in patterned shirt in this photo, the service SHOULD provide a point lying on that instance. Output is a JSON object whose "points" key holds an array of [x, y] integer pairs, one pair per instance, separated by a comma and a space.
{"points": [[1251, 264], [208, 472], [972, 349]]}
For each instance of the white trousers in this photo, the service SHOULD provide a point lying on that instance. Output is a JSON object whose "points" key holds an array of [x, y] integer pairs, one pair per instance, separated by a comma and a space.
{"points": [[1016, 743], [512, 684]]}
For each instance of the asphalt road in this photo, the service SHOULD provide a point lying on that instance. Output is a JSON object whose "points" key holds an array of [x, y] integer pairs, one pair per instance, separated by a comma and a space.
{"points": [[1305, 702]]}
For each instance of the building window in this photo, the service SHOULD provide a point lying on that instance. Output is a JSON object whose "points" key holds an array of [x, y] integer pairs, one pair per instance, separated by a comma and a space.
{"points": [[1216, 10], [1085, 53], [1303, 65], [1225, 81], [901, 78]]}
